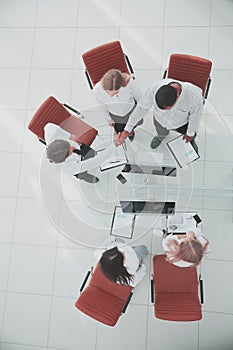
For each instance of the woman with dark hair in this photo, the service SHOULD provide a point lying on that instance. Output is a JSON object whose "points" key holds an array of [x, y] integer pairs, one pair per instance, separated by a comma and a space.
{"points": [[122, 264], [186, 250], [118, 94]]}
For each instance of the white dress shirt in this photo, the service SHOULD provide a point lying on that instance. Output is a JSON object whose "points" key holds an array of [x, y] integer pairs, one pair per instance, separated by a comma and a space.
{"points": [[73, 164], [170, 237], [187, 108], [121, 103], [131, 261]]}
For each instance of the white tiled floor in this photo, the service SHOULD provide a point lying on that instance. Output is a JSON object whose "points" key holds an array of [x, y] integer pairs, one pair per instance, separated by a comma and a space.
{"points": [[47, 236]]}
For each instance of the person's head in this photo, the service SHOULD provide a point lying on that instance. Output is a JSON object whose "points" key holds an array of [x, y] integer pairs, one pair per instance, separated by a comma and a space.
{"points": [[58, 151], [189, 250], [166, 96], [111, 264], [112, 81]]}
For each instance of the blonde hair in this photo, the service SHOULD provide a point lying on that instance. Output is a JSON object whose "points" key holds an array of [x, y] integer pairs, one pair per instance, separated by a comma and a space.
{"points": [[189, 250], [114, 80]]}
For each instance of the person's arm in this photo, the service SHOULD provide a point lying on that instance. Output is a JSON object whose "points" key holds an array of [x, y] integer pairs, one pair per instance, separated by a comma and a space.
{"points": [[136, 91], [139, 274], [194, 118], [75, 167], [143, 106], [54, 132]]}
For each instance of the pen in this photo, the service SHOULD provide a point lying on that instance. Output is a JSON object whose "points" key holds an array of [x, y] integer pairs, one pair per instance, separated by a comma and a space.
{"points": [[116, 161]]}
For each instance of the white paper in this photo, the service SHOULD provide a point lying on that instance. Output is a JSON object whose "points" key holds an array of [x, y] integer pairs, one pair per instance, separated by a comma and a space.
{"points": [[183, 151], [123, 224], [117, 158]]}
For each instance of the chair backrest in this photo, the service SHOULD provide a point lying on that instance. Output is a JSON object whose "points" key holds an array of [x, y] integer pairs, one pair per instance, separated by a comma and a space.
{"points": [[102, 58], [52, 111], [103, 299], [176, 291], [192, 69]]}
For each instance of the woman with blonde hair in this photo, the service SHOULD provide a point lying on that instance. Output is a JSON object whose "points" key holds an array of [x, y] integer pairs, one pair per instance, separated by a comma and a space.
{"points": [[186, 250], [118, 93]]}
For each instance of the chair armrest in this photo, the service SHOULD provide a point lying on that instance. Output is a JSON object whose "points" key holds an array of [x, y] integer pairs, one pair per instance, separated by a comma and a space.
{"points": [[165, 74], [42, 141], [74, 110], [152, 289], [85, 279], [127, 302], [88, 80], [129, 65], [201, 289], [207, 88]]}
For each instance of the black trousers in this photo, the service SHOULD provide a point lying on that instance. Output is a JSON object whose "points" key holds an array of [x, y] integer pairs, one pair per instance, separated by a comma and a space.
{"points": [[87, 152]]}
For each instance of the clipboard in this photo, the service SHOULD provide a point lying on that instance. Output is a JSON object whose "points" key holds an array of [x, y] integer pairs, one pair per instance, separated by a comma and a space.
{"points": [[122, 224], [182, 151], [118, 159]]}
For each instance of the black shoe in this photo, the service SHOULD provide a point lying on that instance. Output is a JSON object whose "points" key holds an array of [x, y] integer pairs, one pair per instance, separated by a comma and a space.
{"points": [[87, 177], [131, 137], [155, 142]]}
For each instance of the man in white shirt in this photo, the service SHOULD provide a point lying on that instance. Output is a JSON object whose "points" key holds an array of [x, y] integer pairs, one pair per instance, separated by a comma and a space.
{"points": [[64, 149], [177, 106]]}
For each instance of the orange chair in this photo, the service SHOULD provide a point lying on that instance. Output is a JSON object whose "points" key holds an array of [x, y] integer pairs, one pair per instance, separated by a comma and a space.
{"points": [[176, 291], [102, 58], [52, 111], [192, 69], [103, 299]]}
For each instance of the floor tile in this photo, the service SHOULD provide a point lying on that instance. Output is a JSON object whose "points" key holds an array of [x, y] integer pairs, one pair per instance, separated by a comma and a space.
{"points": [[63, 16], [70, 331], [217, 226], [140, 48], [219, 175], [39, 228], [7, 209], [220, 38], [158, 331], [221, 13], [14, 86], [17, 44], [211, 271], [179, 14], [32, 269], [2, 305], [9, 184], [10, 346], [12, 141], [58, 43], [71, 268], [220, 100], [35, 310], [132, 14], [93, 14], [5, 255], [185, 40], [47, 82], [15, 14], [126, 329], [215, 332]]}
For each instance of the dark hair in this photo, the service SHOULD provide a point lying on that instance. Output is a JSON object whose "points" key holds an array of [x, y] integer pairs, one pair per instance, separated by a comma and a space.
{"points": [[166, 96], [111, 264]]}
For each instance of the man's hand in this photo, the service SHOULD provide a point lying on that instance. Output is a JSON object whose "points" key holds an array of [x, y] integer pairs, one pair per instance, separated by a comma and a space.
{"points": [[111, 123], [187, 138], [121, 137]]}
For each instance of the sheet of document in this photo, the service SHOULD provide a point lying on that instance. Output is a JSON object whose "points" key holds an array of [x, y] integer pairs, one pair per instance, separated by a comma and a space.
{"points": [[182, 151], [123, 224], [117, 158]]}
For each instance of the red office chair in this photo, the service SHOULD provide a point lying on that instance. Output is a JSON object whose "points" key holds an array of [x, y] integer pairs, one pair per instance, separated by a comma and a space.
{"points": [[192, 69], [102, 58], [176, 291], [52, 111], [103, 299]]}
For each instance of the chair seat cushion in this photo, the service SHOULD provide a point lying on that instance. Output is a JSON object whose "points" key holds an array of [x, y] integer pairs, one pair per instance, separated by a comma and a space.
{"points": [[100, 305], [178, 306]]}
